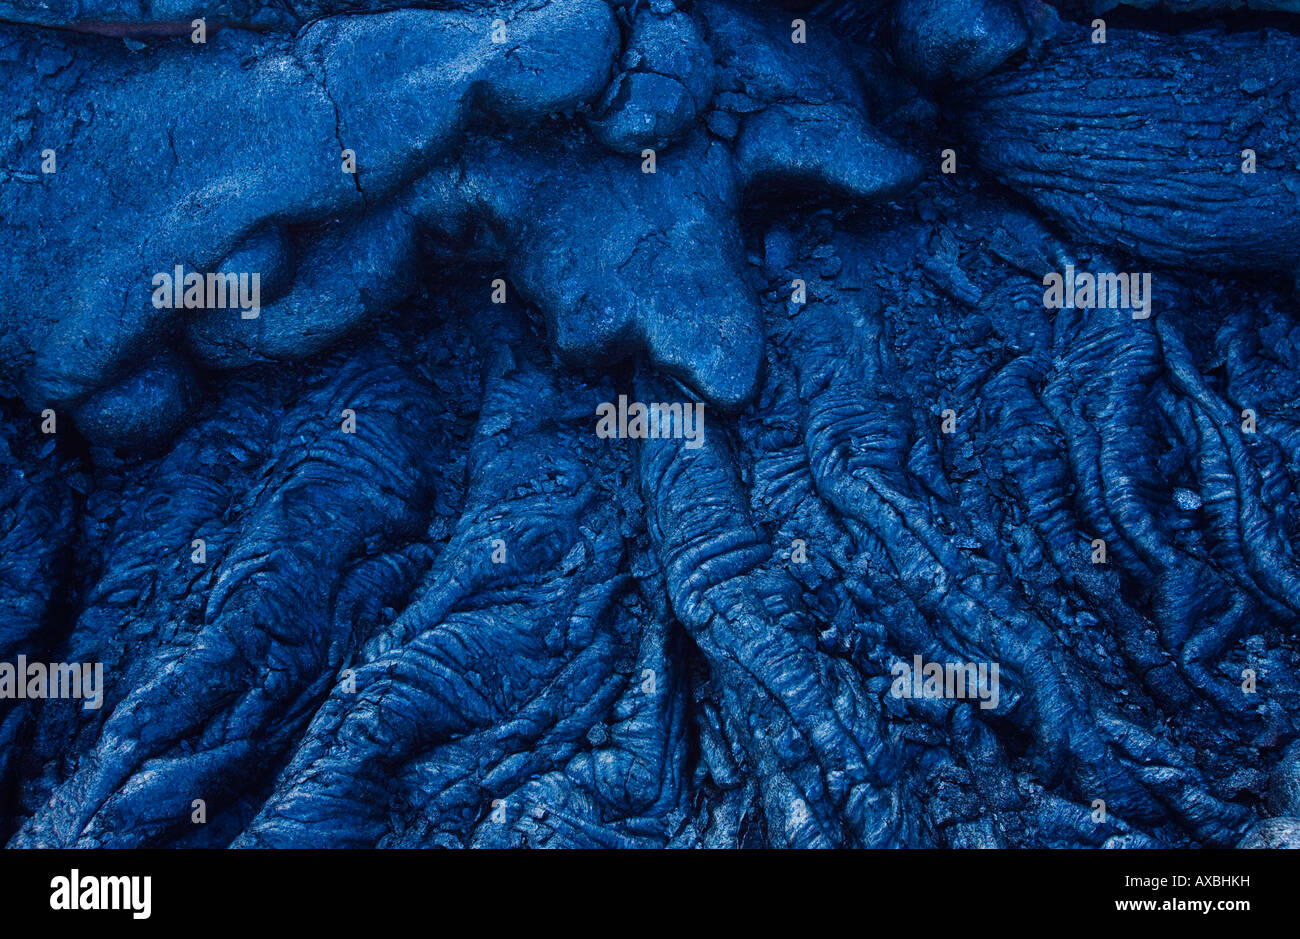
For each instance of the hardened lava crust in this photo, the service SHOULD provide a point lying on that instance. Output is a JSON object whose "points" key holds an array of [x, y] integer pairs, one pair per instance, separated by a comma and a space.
{"points": [[976, 523]]}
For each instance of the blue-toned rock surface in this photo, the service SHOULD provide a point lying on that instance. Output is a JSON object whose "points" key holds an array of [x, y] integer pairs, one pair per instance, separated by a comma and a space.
{"points": [[360, 565]]}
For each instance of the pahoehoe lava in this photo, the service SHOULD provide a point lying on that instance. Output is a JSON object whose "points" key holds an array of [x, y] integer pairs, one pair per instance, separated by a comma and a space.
{"points": [[360, 572]]}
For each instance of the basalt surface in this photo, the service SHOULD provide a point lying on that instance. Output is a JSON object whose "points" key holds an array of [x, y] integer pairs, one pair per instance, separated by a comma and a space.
{"points": [[359, 569]]}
